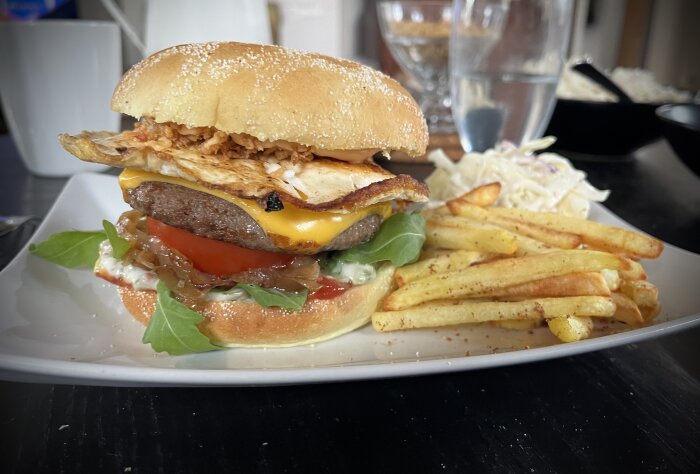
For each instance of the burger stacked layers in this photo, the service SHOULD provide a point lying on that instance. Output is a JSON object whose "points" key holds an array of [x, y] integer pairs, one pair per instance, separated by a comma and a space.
{"points": [[256, 201]]}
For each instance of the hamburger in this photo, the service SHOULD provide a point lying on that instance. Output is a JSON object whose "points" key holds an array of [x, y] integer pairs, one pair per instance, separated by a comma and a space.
{"points": [[259, 217]]}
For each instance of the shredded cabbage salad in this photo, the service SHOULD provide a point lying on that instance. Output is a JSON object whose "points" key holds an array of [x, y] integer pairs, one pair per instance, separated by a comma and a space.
{"points": [[543, 182]]}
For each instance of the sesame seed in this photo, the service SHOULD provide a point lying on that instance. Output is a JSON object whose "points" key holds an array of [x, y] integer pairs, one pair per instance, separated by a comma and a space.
{"points": [[271, 69]]}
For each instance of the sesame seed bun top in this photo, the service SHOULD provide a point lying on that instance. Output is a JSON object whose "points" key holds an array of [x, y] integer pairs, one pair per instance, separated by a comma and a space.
{"points": [[273, 93]]}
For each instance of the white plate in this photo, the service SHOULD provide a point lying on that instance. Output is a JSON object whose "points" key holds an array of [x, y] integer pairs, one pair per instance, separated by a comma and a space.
{"points": [[67, 326]]}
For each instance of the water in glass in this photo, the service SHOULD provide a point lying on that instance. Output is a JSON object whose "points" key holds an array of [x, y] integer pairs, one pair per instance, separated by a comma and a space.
{"points": [[505, 62]]}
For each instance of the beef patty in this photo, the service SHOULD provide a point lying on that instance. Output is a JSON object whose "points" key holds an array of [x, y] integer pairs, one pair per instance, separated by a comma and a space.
{"points": [[215, 218]]}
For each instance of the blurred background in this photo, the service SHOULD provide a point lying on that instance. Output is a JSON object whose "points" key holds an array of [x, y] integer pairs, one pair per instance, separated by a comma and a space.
{"points": [[660, 36]]}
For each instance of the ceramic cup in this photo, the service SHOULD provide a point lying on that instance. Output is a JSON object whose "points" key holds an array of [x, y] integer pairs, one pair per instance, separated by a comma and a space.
{"points": [[57, 76], [165, 23]]}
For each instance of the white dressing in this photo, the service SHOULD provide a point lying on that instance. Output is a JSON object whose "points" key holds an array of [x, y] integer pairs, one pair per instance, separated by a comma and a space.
{"points": [[544, 182]]}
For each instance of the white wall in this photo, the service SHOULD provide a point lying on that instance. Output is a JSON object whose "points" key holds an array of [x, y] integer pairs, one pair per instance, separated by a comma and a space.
{"points": [[600, 40], [673, 54]]}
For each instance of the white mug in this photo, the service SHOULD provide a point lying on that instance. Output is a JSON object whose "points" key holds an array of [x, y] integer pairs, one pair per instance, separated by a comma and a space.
{"points": [[57, 76], [321, 26], [171, 22]]}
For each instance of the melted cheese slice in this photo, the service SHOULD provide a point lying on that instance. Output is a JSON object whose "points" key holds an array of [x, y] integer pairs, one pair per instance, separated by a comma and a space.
{"points": [[297, 224]]}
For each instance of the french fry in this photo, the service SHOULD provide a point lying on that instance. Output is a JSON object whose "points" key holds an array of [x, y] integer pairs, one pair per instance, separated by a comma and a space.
{"points": [[626, 309], [635, 271], [571, 328], [528, 246], [436, 211], [517, 325], [642, 292], [466, 311], [612, 278], [459, 233], [650, 312], [501, 239], [499, 274], [485, 195], [550, 237], [464, 208], [432, 252], [571, 284], [594, 234], [516, 269], [453, 261]]}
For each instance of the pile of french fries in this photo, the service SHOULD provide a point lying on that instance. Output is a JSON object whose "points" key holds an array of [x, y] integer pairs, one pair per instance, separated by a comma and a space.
{"points": [[518, 269]]}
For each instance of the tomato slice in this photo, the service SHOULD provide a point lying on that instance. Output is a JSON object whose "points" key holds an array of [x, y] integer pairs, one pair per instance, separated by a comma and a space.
{"points": [[214, 256], [329, 289]]}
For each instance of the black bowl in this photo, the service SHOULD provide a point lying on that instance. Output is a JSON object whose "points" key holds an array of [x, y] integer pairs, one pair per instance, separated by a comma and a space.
{"points": [[603, 128], [680, 124]]}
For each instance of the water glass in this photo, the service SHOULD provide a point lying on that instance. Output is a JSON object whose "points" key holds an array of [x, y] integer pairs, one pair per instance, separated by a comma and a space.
{"points": [[417, 34], [506, 58]]}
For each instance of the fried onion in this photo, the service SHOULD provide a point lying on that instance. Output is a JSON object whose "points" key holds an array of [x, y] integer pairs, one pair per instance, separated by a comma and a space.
{"points": [[191, 285]]}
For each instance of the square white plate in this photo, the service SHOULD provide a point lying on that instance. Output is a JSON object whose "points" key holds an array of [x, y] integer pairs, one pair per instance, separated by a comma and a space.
{"points": [[60, 325]]}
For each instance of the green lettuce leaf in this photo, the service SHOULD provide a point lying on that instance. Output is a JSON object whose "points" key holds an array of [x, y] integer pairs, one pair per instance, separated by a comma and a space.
{"points": [[399, 240], [173, 327], [119, 245], [70, 249], [293, 300]]}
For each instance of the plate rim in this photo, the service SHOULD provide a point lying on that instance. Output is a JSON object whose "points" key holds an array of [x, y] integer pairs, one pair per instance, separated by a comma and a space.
{"points": [[112, 374], [37, 369]]}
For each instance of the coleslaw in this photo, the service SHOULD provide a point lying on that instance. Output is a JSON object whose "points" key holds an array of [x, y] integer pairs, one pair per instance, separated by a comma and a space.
{"points": [[538, 182]]}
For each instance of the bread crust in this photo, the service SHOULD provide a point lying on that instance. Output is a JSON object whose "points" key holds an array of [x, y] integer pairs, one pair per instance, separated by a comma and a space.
{"points": [[273, 93], [247, 324]]}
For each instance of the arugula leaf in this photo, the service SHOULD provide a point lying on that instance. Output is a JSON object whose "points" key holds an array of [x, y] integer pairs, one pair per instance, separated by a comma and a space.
{"points": [[173, 327], [267, 297], [119, 245], [399, 240], [70, 249]]}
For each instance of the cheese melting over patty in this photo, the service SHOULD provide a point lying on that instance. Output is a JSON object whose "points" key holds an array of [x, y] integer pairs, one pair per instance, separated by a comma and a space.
{"points": [[297, 226]]}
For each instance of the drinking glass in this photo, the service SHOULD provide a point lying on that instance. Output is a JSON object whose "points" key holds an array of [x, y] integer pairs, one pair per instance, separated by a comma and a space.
{"points": [[418, 34], [506, 58]]}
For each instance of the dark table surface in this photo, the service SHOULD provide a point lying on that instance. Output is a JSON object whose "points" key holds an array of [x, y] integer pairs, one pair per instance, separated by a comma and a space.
{"points": [[633, 408]]}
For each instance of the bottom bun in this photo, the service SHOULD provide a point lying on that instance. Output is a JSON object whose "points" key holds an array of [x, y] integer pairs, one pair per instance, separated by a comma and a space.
{"points": [[247, 324]]}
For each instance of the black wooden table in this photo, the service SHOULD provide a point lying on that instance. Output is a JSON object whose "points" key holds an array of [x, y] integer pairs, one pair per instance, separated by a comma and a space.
{"points": [[634, 408]]}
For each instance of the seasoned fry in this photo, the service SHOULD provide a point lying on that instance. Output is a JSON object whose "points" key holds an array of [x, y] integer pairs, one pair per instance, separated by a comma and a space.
{"points": [[449, 313], [550, 237], [571, 284], [634, 272], [436, 211], [485, 195], [626, 310], [528, 246], [432, 252], [601, 236], [453, 261], [516, 269], [641, 292], [612, 279], [571, 328], [517, 325], [458, 233], [464, 208], [499, 274], [650, 312]]}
